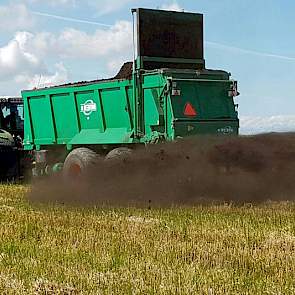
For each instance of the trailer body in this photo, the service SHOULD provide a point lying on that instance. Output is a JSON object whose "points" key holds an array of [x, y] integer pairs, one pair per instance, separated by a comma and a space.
{"points": [[172, 104], [169, 94]]}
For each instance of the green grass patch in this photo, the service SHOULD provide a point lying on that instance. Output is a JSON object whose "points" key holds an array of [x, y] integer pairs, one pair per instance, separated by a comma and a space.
{"points": [[218, 249]]}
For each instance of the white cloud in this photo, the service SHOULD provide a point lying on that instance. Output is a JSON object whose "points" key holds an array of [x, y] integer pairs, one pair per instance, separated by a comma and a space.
{"points": [[23, 60], [22, 67], [173, 6], [59, 77], [15, 17], [116, 40], [255, 125], [14, 59], [114, 43]]}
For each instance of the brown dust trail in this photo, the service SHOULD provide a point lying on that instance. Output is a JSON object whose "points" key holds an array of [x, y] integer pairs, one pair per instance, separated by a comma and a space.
{"points": [[189, 172]]}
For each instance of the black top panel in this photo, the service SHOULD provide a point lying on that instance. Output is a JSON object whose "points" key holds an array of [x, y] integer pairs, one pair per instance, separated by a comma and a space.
{"points": [[170, 34]]}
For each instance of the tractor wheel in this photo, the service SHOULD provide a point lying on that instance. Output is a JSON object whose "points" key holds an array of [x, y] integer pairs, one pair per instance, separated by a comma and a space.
{"points": [[77, 162], [119, 153]]}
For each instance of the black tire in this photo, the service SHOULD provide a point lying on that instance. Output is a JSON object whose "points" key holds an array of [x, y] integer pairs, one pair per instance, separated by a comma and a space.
{"points": [[9, 164], [119, 153], [77, 162]]}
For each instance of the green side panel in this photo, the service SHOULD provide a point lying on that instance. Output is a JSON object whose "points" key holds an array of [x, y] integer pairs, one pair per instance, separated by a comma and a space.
{"points": [[42, 120], [131, 105], [152, 109], [115, 107], [100, 113], [153, 100], [28, 137], [65, 116], [110, 136]]}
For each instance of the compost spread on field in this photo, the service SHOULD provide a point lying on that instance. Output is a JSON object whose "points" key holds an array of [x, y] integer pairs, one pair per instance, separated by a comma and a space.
{"points": [[125, 72], [245, 169]]}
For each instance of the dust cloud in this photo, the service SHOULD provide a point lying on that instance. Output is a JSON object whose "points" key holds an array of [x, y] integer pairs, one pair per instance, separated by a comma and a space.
{"points": [[189, 172]]}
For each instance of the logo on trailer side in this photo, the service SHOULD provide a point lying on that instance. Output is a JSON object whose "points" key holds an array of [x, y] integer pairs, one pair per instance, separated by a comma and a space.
{"points": [[88, 107]]}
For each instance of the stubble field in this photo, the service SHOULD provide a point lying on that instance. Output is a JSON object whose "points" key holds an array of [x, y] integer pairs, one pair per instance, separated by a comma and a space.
{"points": [[206, 249]]}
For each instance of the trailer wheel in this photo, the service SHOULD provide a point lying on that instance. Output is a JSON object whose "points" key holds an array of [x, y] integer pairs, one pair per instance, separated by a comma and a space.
{"points": [[119, 153], [78, 161]]}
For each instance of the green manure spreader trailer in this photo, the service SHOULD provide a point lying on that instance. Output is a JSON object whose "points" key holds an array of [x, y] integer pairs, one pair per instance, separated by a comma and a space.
{"points": [[165, 94]]}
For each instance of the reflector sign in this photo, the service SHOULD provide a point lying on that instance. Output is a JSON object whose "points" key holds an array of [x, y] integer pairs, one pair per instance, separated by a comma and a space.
{"points": [[189, 110]]}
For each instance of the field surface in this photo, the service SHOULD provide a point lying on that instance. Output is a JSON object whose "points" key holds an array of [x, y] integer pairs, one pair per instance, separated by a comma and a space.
{"points": [[217, 249]]}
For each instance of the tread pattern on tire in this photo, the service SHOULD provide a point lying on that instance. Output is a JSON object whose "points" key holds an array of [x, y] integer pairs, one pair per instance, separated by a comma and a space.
{"points": [[84, 157], [118, 153]]}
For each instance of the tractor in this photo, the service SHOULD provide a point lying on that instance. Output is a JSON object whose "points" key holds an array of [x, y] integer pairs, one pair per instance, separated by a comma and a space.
{"points": [[11, 137]]}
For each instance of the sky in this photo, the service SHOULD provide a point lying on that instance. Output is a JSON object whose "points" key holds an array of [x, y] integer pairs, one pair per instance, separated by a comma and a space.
{"points": [[49, 42]]}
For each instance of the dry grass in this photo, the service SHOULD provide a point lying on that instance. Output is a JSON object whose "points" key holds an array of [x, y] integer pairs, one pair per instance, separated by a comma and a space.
{"points": [[203, 250]]}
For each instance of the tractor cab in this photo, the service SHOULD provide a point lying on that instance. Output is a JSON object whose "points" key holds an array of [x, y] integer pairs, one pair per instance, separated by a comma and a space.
{"points": [[12, 116], [11, 135]]}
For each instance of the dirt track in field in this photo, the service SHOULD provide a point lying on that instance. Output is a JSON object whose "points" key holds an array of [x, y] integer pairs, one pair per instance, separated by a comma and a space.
{"points": [[244, 169]]}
